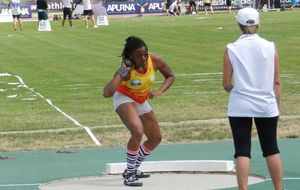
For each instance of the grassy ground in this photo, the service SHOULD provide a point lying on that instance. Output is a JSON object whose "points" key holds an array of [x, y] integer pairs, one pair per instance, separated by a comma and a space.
{"points": [[71, 66]]}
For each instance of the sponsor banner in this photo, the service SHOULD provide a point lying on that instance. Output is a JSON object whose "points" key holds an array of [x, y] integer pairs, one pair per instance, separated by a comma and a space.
{"points": [[135, 7], [221, 4], [114, 8], [44, 25], [6, 18], [102, 20], [53, 5], [26, 11]]}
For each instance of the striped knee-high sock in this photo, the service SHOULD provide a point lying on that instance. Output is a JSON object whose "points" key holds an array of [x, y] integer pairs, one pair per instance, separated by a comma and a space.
{"points": [[142, 154], [131, 160]]}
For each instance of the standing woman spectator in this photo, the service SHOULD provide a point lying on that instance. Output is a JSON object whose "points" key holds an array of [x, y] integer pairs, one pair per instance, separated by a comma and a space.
{"points": [[87, 11], [42, 8], [228, 4], [67, 11], [131, 87], [208, 5], [252, 63], [168, 3], [193, 7], [14, 5]]}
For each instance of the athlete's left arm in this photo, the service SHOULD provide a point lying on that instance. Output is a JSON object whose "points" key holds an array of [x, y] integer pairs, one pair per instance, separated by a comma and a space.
{"points": [[165, 70], [227, 72], [277, 83]]}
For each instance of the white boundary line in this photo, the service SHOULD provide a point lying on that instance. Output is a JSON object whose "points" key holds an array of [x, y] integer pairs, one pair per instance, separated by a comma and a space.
{"points": [[88, 130], [60, 111], [19, 185], [162, 124], [285, 178], [291, 178], [196, 74]]}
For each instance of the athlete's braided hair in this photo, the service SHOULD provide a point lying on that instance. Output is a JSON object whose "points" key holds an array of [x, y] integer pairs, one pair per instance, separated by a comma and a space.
{"points": [[131, 44]]}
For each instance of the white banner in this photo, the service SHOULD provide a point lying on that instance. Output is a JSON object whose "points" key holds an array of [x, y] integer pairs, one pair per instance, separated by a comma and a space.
{"points": [[44, 25], [102, 20], [6, 18]]}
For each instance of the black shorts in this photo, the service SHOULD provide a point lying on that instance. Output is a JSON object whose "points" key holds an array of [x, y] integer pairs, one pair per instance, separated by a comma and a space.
{"points": [[192, 3], [267, 133], [88, 12], [43, 15], [67, 12], [207, 4], [16, 16], [167, 5], [171, 12], [228, 3]]}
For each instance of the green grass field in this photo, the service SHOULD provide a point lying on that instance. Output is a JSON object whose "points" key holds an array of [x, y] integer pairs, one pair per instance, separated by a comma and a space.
{"points": [[71, 66]]}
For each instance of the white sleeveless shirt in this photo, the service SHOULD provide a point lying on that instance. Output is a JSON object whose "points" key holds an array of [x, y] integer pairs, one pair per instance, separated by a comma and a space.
{"points": [[252, 60], [87, 4]]}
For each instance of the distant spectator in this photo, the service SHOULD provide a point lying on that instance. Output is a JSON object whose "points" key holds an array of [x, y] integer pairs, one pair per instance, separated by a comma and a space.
{"points": [[87, 11], [14, 5], [67, 11], [173, 9], [228, 4], [193, 7], [42, 8], [208, 4], [169, 2], [294, 4]]}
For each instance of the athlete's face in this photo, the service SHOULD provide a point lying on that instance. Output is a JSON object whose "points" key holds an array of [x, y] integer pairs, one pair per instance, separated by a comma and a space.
{"points": [[139, 57]]}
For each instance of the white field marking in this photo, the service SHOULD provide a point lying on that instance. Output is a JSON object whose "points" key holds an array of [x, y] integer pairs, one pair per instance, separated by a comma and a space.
{"points": [[206, 74], [13, 83], [285, 178], [291, 178], [196, 74], [19, 185], [12, 96], [74, 88], [28, 99], [79, 94], [5, 75], [203, 80], [200, 18], [292, 82], [59, 110], [78, 85], [3, 90], [163, 124], [287, 74], [186, 86], [187, 93], [10, 35]]}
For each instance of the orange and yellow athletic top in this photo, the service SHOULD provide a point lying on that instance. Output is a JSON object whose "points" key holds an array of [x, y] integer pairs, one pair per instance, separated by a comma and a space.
{"points": [[139, 84]]}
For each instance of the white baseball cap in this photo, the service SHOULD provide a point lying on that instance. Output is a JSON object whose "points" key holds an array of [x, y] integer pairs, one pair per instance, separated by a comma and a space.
{"points": [[247, 17]]}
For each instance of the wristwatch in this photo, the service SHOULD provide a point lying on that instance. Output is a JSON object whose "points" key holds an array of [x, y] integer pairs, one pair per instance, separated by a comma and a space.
{"points": [[123, 71]]}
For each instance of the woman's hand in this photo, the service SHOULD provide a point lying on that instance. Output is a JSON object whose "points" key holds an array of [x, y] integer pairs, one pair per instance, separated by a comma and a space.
{"points": [[154, 93]]}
